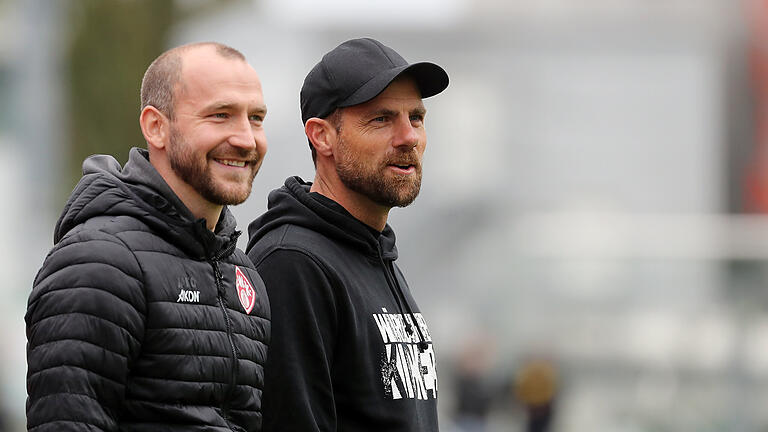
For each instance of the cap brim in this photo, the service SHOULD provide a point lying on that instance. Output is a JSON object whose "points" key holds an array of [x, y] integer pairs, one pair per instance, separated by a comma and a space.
{"points": [[430, 78]]}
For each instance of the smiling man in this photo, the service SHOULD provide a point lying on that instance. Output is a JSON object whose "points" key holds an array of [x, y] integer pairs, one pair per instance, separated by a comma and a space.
{"points": [[351, 350], [145, 316]]}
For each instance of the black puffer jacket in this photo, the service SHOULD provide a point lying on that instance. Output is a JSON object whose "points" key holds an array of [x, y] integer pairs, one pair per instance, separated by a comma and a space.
{"points": [[141, 319]]}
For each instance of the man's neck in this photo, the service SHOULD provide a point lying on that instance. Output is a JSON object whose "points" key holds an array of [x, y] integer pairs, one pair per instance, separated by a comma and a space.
{"points": [[197, 205], [359, 206]]}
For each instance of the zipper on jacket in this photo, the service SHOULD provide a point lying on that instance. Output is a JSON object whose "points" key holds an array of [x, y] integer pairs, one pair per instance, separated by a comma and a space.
{"points": [[397, 292], [221, 295]]}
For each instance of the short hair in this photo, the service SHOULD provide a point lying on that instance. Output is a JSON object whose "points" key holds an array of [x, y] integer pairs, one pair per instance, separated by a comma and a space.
{"points": [[334, 119], [162, 76]]}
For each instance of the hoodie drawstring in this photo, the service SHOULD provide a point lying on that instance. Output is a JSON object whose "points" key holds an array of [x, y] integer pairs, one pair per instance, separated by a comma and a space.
{"points": [[397, 293]]}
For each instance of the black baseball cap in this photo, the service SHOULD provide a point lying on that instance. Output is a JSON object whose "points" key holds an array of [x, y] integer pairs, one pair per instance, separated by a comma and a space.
{"points": [[357, 71]]}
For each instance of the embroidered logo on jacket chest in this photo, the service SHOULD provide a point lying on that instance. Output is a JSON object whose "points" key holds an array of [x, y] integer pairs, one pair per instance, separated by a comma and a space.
{"points": [[245, 291], [187, 290]]}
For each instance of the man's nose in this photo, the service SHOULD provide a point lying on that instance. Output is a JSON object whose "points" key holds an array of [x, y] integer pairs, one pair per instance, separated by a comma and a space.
{"points": [[242, 134], [405, 133]]}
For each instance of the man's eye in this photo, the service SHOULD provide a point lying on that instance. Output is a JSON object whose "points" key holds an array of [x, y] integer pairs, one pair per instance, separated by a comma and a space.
{"points": [[221, 115], [417, 118], [380, 119], [256, 118]]}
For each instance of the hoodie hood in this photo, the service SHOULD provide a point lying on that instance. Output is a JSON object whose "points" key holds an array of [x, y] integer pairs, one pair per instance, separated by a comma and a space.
{"points": [[138, 190], [294, 204]]}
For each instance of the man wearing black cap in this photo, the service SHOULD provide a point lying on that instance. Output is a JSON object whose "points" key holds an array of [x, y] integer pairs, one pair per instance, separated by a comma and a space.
{"points": [[350, 350]]}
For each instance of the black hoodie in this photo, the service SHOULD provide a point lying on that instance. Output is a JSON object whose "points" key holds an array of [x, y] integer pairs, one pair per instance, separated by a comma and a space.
{"points": [[135, 321], [346, 354]]}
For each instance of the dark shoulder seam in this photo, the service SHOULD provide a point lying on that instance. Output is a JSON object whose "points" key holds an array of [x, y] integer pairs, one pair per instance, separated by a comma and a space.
{"points": [[138, 263], [335, 282]]}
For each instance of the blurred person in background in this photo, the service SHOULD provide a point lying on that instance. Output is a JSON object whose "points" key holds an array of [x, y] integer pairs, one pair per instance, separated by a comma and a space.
{"points": [[351, 350], [535, 386], [475, 389], [144, 315]]}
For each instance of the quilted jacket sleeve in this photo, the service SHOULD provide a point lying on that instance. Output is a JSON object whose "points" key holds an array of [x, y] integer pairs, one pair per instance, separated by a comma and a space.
{"points": [[85, 320]]}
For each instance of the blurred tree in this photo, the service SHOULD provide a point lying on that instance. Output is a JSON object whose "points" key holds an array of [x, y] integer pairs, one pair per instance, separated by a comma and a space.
{"points": [[113, 42]]}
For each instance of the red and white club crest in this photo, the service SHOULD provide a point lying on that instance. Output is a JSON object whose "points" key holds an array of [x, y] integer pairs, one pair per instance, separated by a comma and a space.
{"points": [[245, 291]]}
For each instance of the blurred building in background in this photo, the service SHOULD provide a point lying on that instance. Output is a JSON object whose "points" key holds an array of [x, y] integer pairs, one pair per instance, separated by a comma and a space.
{"points": [[591, 193]]}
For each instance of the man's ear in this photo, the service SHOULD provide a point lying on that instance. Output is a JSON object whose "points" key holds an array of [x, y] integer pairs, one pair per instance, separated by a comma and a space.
{"points": [[155, 126], [322, 135]]}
